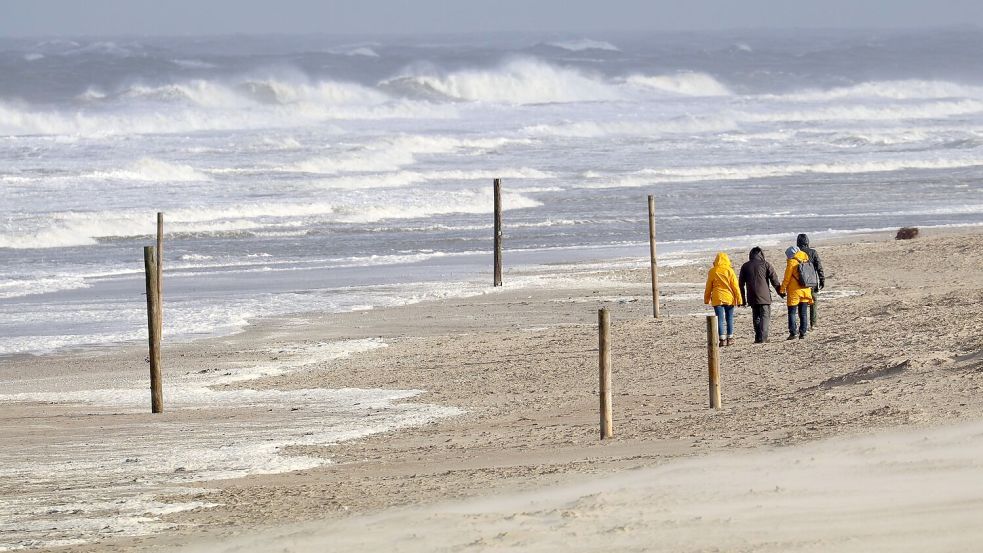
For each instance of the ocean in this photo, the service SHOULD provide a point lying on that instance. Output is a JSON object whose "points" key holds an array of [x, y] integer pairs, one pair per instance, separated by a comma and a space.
{"points": [[318, 173]]}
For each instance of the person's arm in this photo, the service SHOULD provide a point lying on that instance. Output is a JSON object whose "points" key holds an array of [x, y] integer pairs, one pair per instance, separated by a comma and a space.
{"points": [[819, 269], [738, 297], [789, 275], [773, 279], [742, 283], [709, 288]]}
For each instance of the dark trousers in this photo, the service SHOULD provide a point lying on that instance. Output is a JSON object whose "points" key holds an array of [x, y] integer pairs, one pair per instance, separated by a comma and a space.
{"points": [[813, 310], [761, 315], [798, 319]]}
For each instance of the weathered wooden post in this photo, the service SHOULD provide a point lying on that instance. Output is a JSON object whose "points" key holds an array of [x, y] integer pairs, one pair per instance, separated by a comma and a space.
{"points": [[713, 361], [160, 271], [153, 326], [655, 267], [604, 365], [498, 232]]}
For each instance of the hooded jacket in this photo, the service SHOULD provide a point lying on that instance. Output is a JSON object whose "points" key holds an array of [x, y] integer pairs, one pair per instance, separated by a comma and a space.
{"points": [[722, 287], [756, 275], [802, 241], [795, 292]]}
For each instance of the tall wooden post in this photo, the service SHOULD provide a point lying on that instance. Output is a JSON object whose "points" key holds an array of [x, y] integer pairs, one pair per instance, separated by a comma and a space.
{"points": [[153, 326], [655, 267], [713, 361], [160, 271], [604, 366], [498, 232]]}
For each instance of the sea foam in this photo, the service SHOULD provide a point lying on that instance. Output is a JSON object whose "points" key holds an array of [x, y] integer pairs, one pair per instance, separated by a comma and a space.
{"points": [[688, 84], [519, 81], [134, 472], [755, 171], [152, 170]]}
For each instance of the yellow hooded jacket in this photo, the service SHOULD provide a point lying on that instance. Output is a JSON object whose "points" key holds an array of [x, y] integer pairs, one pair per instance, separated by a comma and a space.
{"points": [[722, 287], [795, 292]]}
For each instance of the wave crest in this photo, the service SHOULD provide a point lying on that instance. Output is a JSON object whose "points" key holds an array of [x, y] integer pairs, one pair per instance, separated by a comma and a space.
{"points": [[65, 229], [393, 153], [687, 83], [646, 177], [153, 170], [519, 81], [909, 89]]}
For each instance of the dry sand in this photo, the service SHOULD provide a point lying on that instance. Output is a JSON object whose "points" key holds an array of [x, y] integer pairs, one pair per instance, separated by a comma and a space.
{"points": [[900, 344], [902, 491]]}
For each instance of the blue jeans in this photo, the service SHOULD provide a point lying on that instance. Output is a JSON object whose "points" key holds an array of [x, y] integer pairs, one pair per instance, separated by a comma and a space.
{"points": [[798, 319], [724, 312]]}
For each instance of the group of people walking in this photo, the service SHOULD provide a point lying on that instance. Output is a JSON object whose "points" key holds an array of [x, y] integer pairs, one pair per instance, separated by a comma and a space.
{"points": [[804, 278]]}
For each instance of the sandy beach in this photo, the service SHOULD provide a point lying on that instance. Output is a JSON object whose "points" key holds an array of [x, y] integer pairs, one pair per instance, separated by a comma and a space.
{"points": [[487, 428]]}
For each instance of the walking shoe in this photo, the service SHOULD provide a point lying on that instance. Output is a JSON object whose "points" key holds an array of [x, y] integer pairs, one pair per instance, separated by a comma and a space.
{"points": [[791, 337], [722, 342], [802, 336], [730, 341]]}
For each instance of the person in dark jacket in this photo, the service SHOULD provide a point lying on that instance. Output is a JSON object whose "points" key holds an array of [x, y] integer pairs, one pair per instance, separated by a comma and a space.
{"points": [[803, 243], [756, 276]]}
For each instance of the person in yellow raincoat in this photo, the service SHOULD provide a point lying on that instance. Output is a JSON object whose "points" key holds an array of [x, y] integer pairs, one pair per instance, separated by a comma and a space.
{"points": [[798, 298], [723, 292]]}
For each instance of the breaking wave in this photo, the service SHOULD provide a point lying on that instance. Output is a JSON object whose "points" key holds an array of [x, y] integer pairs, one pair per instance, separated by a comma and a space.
{"points": [[688, 84], [36, 286], [212, 105], [909, 89], [152, 170], [723, 120], [406, 178], [930, 110], [209, 93], [743, 172], [64, 229], [393, 153], [591, 129], [519, 81]]}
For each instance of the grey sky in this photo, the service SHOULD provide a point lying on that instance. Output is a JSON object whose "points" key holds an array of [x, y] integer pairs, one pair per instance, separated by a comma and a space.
{"points": [[180, 17]]}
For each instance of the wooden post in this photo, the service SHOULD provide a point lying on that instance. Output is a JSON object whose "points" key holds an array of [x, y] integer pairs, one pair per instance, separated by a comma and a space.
{"points": [[498, 232], [655, 267], [604, 365], [713, 361], [160, 272], [153, 326]]}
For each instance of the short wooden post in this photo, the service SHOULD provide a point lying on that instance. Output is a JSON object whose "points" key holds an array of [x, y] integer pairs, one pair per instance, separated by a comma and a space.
{"points": [[153, 326], [604, 364], [655, 266], [160, 271], [713, 361], [498, 232]]}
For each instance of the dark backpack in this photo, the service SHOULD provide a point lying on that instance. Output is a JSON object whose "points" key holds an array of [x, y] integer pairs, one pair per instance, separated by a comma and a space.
{"points": [[808, 276]]}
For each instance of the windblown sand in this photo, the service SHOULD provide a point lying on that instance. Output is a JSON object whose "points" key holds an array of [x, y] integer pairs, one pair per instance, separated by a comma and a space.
{"points": [[805, 455]]}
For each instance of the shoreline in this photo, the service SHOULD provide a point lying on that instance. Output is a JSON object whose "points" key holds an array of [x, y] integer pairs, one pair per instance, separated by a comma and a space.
{"points": [[571, 267], [514, 343]]}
